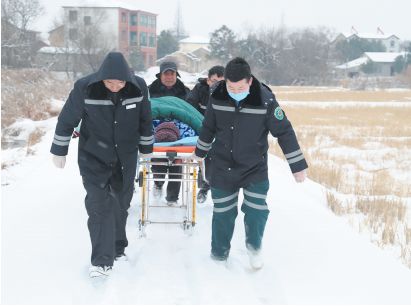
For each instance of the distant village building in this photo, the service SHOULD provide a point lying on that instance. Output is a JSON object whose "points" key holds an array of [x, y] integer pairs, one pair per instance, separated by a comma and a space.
{"points": [[125, 30], [192, 56], [192, 43], [56, 37], [391, 42], [383, 63], [18, 46]]}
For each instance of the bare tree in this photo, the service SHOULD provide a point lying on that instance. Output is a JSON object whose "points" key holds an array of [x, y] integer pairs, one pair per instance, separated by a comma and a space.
{"points": [[92, 43], [84, 46], [18, 43]]}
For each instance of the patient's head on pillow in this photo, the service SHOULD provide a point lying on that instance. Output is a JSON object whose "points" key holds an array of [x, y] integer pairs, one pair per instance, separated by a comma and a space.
{"points": [[166, 132]]}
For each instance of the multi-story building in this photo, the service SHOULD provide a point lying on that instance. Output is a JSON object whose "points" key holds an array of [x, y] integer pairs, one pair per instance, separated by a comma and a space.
{"points": [[124, 29]]}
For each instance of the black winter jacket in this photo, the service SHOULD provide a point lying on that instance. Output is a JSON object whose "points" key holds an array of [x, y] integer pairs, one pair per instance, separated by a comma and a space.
{"points": [[238, 155], [114, 126], [179, 90], [199, 95]]}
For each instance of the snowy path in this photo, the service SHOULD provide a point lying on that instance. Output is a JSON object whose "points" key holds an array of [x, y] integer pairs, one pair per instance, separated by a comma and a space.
{"points": [[311, 256]]}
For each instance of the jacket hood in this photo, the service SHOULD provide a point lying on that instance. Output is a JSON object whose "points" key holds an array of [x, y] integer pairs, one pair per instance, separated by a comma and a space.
{"points": [[114, 67]]}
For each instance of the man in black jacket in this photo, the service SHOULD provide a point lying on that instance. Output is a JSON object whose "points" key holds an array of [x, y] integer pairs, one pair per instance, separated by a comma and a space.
{"points": [[116, 123], [167, 84], [240, 114], [198, 97]]}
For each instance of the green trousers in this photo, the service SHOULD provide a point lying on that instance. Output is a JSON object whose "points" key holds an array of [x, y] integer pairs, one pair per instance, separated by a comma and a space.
{"points": [[225, 212]]}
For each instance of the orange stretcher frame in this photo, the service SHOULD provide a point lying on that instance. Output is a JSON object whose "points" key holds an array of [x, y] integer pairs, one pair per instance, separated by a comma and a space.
{"points": [[179, 149]]}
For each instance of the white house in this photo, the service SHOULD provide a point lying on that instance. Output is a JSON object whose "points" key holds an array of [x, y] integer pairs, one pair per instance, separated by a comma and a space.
{"points": [[391, 42], [383, 61], [192, 43]]}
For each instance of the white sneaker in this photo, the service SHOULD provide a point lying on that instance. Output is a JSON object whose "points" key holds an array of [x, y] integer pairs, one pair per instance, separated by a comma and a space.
{"points": [[99, 271], [171, 203], [256, 259]]}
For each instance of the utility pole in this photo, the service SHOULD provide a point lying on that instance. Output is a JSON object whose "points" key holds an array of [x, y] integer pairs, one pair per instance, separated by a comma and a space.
{"points": [[178, 23]]}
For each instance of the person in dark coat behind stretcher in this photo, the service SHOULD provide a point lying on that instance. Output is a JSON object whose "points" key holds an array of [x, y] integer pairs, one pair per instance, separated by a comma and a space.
{"points": [[115, 112], [198, 97], [168, 84]]}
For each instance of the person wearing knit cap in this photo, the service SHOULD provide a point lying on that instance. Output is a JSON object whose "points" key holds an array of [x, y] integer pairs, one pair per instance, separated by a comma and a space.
{"points": [[166, 132], [198, 97]]}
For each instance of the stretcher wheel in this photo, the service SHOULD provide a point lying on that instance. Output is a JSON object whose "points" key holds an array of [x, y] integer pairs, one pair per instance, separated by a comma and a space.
{"points": [[141, 230], [188, 227]]}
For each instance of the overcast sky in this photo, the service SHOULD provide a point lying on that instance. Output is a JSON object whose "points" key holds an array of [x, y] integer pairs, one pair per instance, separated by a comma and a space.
{"points": [[203, 17]]}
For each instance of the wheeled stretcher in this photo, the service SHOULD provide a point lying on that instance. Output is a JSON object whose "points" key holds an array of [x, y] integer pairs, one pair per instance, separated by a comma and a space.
{"points": [[191, 169]]}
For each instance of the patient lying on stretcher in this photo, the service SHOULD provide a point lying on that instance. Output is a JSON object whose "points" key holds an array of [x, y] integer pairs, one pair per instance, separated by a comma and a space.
{"points": [[170, 132]]}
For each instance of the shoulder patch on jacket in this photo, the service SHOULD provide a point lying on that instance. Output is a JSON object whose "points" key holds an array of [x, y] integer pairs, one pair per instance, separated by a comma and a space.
{"points": [[278, 113]]}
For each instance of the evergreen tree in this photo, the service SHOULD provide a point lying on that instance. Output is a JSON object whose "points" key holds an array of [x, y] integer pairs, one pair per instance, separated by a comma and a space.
{"points": [[166, 43], [223, 43], [353, 48]]}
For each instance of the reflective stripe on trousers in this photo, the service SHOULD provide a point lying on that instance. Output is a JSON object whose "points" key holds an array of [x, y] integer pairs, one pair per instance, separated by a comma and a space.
{"points": [[225, 211]]}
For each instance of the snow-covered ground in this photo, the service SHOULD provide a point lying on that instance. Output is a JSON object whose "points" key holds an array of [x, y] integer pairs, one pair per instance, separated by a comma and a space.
{"points": [[311, 255]]}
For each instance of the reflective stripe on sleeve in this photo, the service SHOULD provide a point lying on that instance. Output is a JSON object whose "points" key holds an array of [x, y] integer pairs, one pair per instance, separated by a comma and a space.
{"points": [[294, 160], [224, 108], [292, 154], [61, 143], [98, 102], [62, 138], [132, 100], [253, 111]]}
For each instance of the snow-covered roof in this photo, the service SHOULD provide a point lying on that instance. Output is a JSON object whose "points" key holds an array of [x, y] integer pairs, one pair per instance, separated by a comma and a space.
{"points": [[376, 57], [366, 35], [383, 57], [190, 55], [195, 40], [58, 50], [354, 63]]}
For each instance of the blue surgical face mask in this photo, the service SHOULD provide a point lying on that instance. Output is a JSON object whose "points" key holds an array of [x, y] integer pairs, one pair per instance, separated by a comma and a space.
{"points": [[239, 96]]}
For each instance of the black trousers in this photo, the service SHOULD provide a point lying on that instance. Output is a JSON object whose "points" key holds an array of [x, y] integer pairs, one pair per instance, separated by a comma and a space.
{"points": [[160, 171], [107, 216]]}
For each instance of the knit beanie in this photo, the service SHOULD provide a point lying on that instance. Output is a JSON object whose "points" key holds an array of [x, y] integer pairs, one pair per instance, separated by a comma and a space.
{"points": [[166, 132]]}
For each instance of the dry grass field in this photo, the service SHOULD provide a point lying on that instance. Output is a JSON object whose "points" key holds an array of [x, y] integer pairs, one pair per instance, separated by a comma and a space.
{"points": [[306, 93], [361, 153]]}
